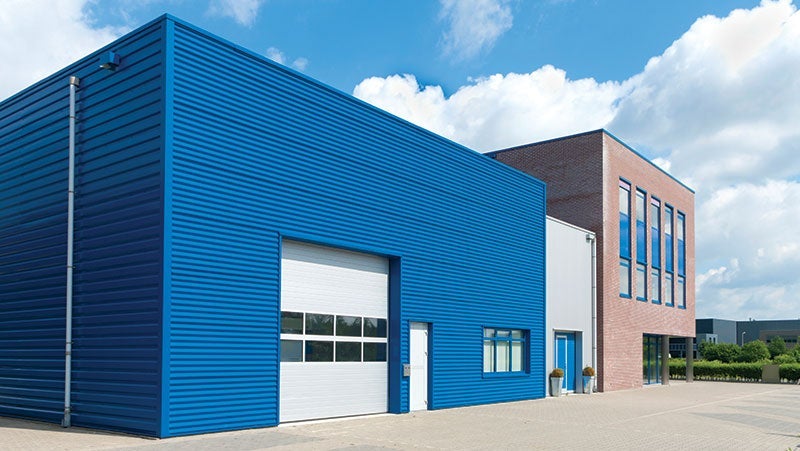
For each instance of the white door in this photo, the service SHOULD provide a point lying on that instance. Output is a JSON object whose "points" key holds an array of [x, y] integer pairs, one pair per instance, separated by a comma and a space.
{"points": [[419, 367], [334, 332]]}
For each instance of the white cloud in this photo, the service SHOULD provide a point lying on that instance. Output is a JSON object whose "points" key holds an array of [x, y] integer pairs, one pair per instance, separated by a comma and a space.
{"points": [[243, 12], [473, 25], [500, 110], [279, 57], [719, 109], [60, 32]]}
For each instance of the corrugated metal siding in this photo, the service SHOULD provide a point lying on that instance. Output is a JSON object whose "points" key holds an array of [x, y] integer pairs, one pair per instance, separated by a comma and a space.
{"points": [[260, 151], [116, 332]]}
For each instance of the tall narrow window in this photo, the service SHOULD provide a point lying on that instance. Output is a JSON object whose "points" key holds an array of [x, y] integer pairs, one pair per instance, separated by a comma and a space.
{"points": [[641, 282], [655, 233], [641, 227], [680, 292], [655, 286], [680, 230], [624, 239], [668, 260], [668, 298]]}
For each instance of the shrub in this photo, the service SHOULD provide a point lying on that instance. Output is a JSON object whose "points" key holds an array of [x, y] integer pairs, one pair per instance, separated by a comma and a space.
{"points": [[588, 371], [754, 351], [776, 347], [784, 359], [790, 371], [723, 352], [557, 372], [796, 352]]}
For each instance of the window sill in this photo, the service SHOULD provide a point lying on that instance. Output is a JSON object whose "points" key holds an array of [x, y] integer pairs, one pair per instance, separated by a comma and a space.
{"points": [[505, 375], [626, 296], [656, 301], [641, 299], [682, 307], [669, 305]]}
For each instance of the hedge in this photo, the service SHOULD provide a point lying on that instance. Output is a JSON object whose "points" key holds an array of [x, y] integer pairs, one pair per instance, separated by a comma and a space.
{"points": [[745, 372]]}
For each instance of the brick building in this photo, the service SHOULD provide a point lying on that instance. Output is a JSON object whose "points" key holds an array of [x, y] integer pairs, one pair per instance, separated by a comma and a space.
{"points": [[644, 222]]}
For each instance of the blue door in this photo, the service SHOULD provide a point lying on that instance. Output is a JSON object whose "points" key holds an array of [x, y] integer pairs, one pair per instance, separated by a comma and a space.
{"points": [[565, 358]]}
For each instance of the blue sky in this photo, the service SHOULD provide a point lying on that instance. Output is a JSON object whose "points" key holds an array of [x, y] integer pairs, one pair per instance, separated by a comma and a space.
{"points": [[707, 89]]}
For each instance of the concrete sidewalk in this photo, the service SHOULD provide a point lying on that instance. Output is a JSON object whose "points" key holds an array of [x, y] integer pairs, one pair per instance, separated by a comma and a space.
{"points": [[701, 415]]}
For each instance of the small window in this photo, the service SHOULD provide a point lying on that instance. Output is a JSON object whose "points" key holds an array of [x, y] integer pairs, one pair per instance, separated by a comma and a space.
{"points": [[375, 327], [317, 324], [374, 352], [624, 278], [291, 350], [668, 300], [348, 326], [348, 351], [655, 286], [503, 350], [291, 323], [641, 282], [319, 351]]}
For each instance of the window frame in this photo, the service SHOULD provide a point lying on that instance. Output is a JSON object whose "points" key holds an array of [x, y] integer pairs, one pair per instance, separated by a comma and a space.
{"points": [[641, 272], [626, 263], [525, 333], [382, 342], [655, 292]]}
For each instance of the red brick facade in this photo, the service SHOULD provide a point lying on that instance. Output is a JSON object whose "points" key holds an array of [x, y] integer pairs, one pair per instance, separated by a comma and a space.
{"points": [[582, 173]]}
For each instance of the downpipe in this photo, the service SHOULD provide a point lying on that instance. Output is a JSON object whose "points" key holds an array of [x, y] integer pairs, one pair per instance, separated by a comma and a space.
{"points": [[593, 240], [67, 421]]}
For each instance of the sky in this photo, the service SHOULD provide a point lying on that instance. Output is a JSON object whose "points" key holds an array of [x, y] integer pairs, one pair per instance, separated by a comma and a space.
{"points": [[707, 89]]}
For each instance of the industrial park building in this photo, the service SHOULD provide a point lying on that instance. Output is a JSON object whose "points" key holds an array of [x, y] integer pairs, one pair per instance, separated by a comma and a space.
{"points": [[252, 247], [643, 219]]}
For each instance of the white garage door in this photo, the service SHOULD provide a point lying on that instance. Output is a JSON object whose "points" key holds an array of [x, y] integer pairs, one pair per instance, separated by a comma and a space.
{"points": [[334, 346]]}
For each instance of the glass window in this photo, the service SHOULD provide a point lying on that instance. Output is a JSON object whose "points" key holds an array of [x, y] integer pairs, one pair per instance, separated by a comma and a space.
{"points": [[641, 227], [348, 326], [655, 286], [317, 324], [319, 351], [624, 219], [668, 244], [668, 290], [680, 292], [641, 282], [291, 323], [681, 231], [375, 327], [503, 350], [624, 278], [374, 352], [655, 233], [348, 351], [291, 350]]}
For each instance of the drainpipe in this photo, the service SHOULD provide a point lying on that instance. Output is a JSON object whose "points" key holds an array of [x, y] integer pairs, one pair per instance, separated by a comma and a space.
{"points": [[590, 238], [73, 85]]}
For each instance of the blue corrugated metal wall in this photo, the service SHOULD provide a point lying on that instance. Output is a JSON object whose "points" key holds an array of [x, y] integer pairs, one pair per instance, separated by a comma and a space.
{"points": [[117, 294], [260, 152]]}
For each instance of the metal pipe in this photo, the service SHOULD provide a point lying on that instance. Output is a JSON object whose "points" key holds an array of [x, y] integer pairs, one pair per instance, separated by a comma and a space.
{"points": [[66, 422], [592, 239]]}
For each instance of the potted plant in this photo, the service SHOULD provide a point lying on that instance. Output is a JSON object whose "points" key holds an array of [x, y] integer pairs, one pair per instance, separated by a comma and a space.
{"points": [[556, 380], [588, 380]]}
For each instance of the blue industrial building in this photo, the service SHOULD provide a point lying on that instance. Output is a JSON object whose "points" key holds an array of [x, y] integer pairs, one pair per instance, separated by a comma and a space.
{"points": [[244, 235]]}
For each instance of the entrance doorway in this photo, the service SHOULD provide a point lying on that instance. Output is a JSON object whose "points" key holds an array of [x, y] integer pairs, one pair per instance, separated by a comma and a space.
{"points": [[565, 359], [651, 359], [418, 383]]}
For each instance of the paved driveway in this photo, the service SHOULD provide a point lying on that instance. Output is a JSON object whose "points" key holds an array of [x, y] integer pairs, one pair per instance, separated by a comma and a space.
{"points": [[698, 416]]}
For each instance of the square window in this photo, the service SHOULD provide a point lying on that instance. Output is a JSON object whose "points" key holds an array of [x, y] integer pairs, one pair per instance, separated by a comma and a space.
{"points": [[348, 351], [374, 352], [319, 351], [291, 350], [375, 327], [348, 326], [291, 323], [317, 324]]}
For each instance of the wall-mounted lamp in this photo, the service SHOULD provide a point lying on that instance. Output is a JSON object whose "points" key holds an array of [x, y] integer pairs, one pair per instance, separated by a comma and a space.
{"points": [[109, 61]]}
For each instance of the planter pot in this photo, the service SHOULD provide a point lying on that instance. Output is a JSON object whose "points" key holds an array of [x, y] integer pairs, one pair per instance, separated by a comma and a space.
{"points": [[588, 384], [555, 386]]}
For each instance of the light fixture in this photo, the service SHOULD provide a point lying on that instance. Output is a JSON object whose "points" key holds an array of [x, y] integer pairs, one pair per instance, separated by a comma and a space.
{"points": [[109, 61]]}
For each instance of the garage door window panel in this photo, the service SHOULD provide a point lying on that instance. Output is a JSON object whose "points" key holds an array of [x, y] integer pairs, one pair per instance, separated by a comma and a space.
{"points": [[348, 326], [317, 324], [319, 351]]}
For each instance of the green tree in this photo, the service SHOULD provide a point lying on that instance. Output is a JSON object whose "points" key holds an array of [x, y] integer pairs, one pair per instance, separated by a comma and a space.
{"points": [[777, 347], [754, 351], [724, 352]]}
